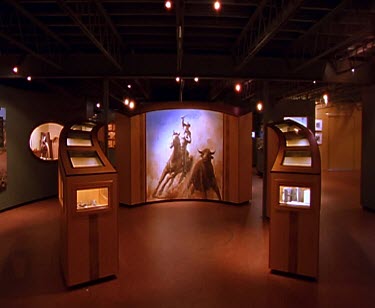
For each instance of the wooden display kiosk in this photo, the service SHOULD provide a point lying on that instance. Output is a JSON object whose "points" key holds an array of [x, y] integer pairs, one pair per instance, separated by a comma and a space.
{"points": [[294, 195], [89, 200]]}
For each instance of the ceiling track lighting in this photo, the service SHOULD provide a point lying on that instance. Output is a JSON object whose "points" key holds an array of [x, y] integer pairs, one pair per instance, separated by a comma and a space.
{"points": [[168, 5], [217, 5]]}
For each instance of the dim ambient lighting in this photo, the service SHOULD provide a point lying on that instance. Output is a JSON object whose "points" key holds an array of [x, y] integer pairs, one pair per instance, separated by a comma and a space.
{"points": [[217, 5], [237, 87], [131, 105], [168, 5], [259, 106]]}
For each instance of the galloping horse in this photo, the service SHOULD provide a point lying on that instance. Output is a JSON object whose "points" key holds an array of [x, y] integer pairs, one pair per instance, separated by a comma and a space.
{"points": [[173, 167]]}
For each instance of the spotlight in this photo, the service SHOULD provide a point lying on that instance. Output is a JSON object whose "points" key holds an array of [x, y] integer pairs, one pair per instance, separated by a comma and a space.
{"points": [[178, 79], [237, 87], [15, 69], [131, 105], [129, 86], [168, 5], [98, 105], [196, 79], [126, 102], [217, 5], [260, 106], [28, 78]]}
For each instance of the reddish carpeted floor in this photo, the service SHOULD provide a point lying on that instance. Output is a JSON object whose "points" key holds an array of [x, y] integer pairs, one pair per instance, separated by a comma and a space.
{"points": [[195, 254]]}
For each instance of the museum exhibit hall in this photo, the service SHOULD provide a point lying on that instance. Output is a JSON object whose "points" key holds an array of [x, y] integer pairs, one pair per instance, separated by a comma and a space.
{"points": [[187, 153]]}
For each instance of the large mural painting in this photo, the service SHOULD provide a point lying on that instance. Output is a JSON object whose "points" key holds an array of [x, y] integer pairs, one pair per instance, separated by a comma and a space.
{"points": [[184, 154], [3, 151]]}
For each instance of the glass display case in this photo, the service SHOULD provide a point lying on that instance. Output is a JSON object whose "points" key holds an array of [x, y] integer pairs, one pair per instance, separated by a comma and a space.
{"points": [[89, 197], [297, 148], [292, 198], [92, 198], [84, 159]]}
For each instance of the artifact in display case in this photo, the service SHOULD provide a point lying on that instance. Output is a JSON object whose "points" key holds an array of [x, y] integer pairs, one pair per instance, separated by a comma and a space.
{"points": [[89, 199], [293, 194]]}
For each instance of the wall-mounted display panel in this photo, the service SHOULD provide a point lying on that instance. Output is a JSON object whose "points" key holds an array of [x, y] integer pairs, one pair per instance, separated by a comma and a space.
{"points": [[184, 154], [44, 141]]}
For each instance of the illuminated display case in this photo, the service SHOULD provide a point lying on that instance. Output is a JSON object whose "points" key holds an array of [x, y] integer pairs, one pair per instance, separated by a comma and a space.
{"points": [[89, 199], [293, 191]]}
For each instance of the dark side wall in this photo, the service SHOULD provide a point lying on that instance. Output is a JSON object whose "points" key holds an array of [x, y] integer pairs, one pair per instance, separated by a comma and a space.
{"points": [[368, 149], [29, 178]]}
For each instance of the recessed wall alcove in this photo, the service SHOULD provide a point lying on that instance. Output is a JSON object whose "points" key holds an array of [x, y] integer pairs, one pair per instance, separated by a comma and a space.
{"points": [[220, 142]]}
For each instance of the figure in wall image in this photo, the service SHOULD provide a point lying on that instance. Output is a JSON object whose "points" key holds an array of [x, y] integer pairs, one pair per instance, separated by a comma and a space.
{"points": [[178, 164], [184, 154]]}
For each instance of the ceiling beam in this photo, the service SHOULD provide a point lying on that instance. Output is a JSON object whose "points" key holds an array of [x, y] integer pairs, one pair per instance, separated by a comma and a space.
{"points": [[180, 8], [36, 21], [262, 26], [97, 28], [17, 26]]}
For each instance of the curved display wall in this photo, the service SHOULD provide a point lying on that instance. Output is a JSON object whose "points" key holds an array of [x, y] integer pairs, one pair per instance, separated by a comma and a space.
{"points": [[184, 153]]}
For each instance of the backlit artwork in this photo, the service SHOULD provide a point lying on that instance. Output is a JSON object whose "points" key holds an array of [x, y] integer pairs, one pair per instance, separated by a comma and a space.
{"points": [[184, 154], [3, 150]]}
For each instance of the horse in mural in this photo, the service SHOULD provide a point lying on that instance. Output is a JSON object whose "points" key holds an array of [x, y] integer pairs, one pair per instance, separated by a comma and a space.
{"points": [[174, 166]]}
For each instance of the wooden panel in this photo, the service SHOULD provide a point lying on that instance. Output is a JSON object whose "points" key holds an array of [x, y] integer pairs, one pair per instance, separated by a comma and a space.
{"points": [[245, 158], [340, 143], [271, 150], [122, 157], [138, 160], [230, 158], [294, 232]]}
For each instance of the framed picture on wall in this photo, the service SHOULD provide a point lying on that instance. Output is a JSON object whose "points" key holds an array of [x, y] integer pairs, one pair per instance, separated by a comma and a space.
{"points": [[318, 125], [319, 137]]}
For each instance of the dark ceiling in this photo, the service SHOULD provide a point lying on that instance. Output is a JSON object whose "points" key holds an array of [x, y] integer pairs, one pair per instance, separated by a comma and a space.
{"points": [[72, 46]]}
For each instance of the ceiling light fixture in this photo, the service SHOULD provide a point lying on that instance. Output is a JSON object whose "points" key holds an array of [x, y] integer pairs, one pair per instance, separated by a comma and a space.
{"points": [[325, 98], [98, 105], [129, 86], [259, 106], [168, 5], [126, 102], [131, 105], [217, 5], [15, 69], [28, 78], [237, 87], [178, 79], [196, 79]]}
